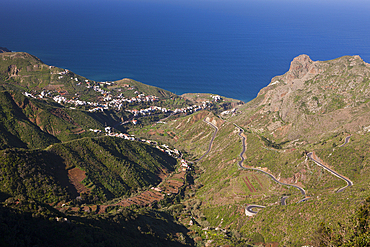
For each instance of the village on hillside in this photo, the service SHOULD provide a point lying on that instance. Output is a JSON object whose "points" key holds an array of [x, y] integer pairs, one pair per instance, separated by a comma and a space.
{"points": [[107, 101]]}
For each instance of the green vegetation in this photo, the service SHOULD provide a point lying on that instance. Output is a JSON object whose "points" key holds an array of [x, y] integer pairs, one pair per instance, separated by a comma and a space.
{"points": [[141, 87], [31, 123], [356, 234], [54, 166], [114, 168], [26, 222], [35, 174], [273, 144], [17, 130]]}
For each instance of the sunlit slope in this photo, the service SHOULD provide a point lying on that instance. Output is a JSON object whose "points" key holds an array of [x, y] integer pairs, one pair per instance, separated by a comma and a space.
{"points": [[223, 190], [313, 98], [290, 224], [29, 73], [313, 107]]}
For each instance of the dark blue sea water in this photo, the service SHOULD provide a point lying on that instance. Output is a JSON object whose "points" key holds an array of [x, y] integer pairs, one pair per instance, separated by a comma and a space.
{"points": [[232, 48]]}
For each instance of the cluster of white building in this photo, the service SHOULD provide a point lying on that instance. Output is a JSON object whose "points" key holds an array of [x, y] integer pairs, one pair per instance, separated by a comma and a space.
{"points": [[232, 111], [121, 135], [97, 88], [215, 97], [64, 72], [60, 99], [95, 130], [164, 148], [41, 95], [153, 109], [29, 95], [119, 101], [147, 111], [191, 109], [118, 104], [184, 165]]}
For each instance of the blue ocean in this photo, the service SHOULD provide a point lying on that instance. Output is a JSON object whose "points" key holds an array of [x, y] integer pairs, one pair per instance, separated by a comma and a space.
{"points": [[232, 48]]}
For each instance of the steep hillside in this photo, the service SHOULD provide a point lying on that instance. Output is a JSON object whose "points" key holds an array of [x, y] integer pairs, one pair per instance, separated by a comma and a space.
{"points": [[27, 71], [17, 129], [31, 123], [25, 222], [232, 156], [61, 172], [113, 166], [311, 99], [30, 74], [315, 106], [150, 90], [101, 168]]}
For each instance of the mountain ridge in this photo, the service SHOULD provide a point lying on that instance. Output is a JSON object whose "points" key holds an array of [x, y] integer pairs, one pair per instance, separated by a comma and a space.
{"points": [[313, 107], [314, 90]]}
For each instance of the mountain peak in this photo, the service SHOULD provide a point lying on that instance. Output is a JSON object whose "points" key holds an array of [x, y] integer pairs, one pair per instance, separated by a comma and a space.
{"points": [[302, 58], [299, 67], [300, 64]]}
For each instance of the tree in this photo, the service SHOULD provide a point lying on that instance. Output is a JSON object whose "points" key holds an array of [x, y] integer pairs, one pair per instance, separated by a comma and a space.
{"points": [[356, 234]]}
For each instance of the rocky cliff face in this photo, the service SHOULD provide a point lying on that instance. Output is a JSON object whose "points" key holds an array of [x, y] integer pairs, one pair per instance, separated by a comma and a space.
{"points": [[314, 97], [301, 68], [3, 49]]}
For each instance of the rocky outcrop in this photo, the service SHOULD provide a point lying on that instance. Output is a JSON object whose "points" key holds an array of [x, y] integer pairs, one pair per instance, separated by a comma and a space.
{"points": [[13, 70], [299, 67], [3, 49], [314, 97], [302, 68]]}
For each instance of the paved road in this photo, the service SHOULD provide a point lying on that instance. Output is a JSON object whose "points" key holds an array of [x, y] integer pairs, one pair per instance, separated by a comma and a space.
{"points": [[345, 141], [303, 192], [283, 200], [211, 142], [349, 182], [243, 142], [249, 211], [304, 199]]}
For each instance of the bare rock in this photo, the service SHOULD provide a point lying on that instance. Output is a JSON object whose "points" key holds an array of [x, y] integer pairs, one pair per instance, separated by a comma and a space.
{"points": [[3, 49]]}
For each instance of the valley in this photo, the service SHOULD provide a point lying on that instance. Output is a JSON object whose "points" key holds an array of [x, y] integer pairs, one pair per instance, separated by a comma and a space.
{"points": [[156, 169]]}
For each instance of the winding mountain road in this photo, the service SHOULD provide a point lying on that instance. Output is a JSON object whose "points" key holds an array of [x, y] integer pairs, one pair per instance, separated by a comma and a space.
{"points": [[345, 141], [249, 209], [283, 200], [240, 164], [211, 142], [349, 182], [304, 199]]}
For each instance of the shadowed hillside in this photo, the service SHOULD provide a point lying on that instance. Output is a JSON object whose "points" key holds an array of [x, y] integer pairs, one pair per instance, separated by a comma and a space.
{"points": [[102, 168], [29, 223]]}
